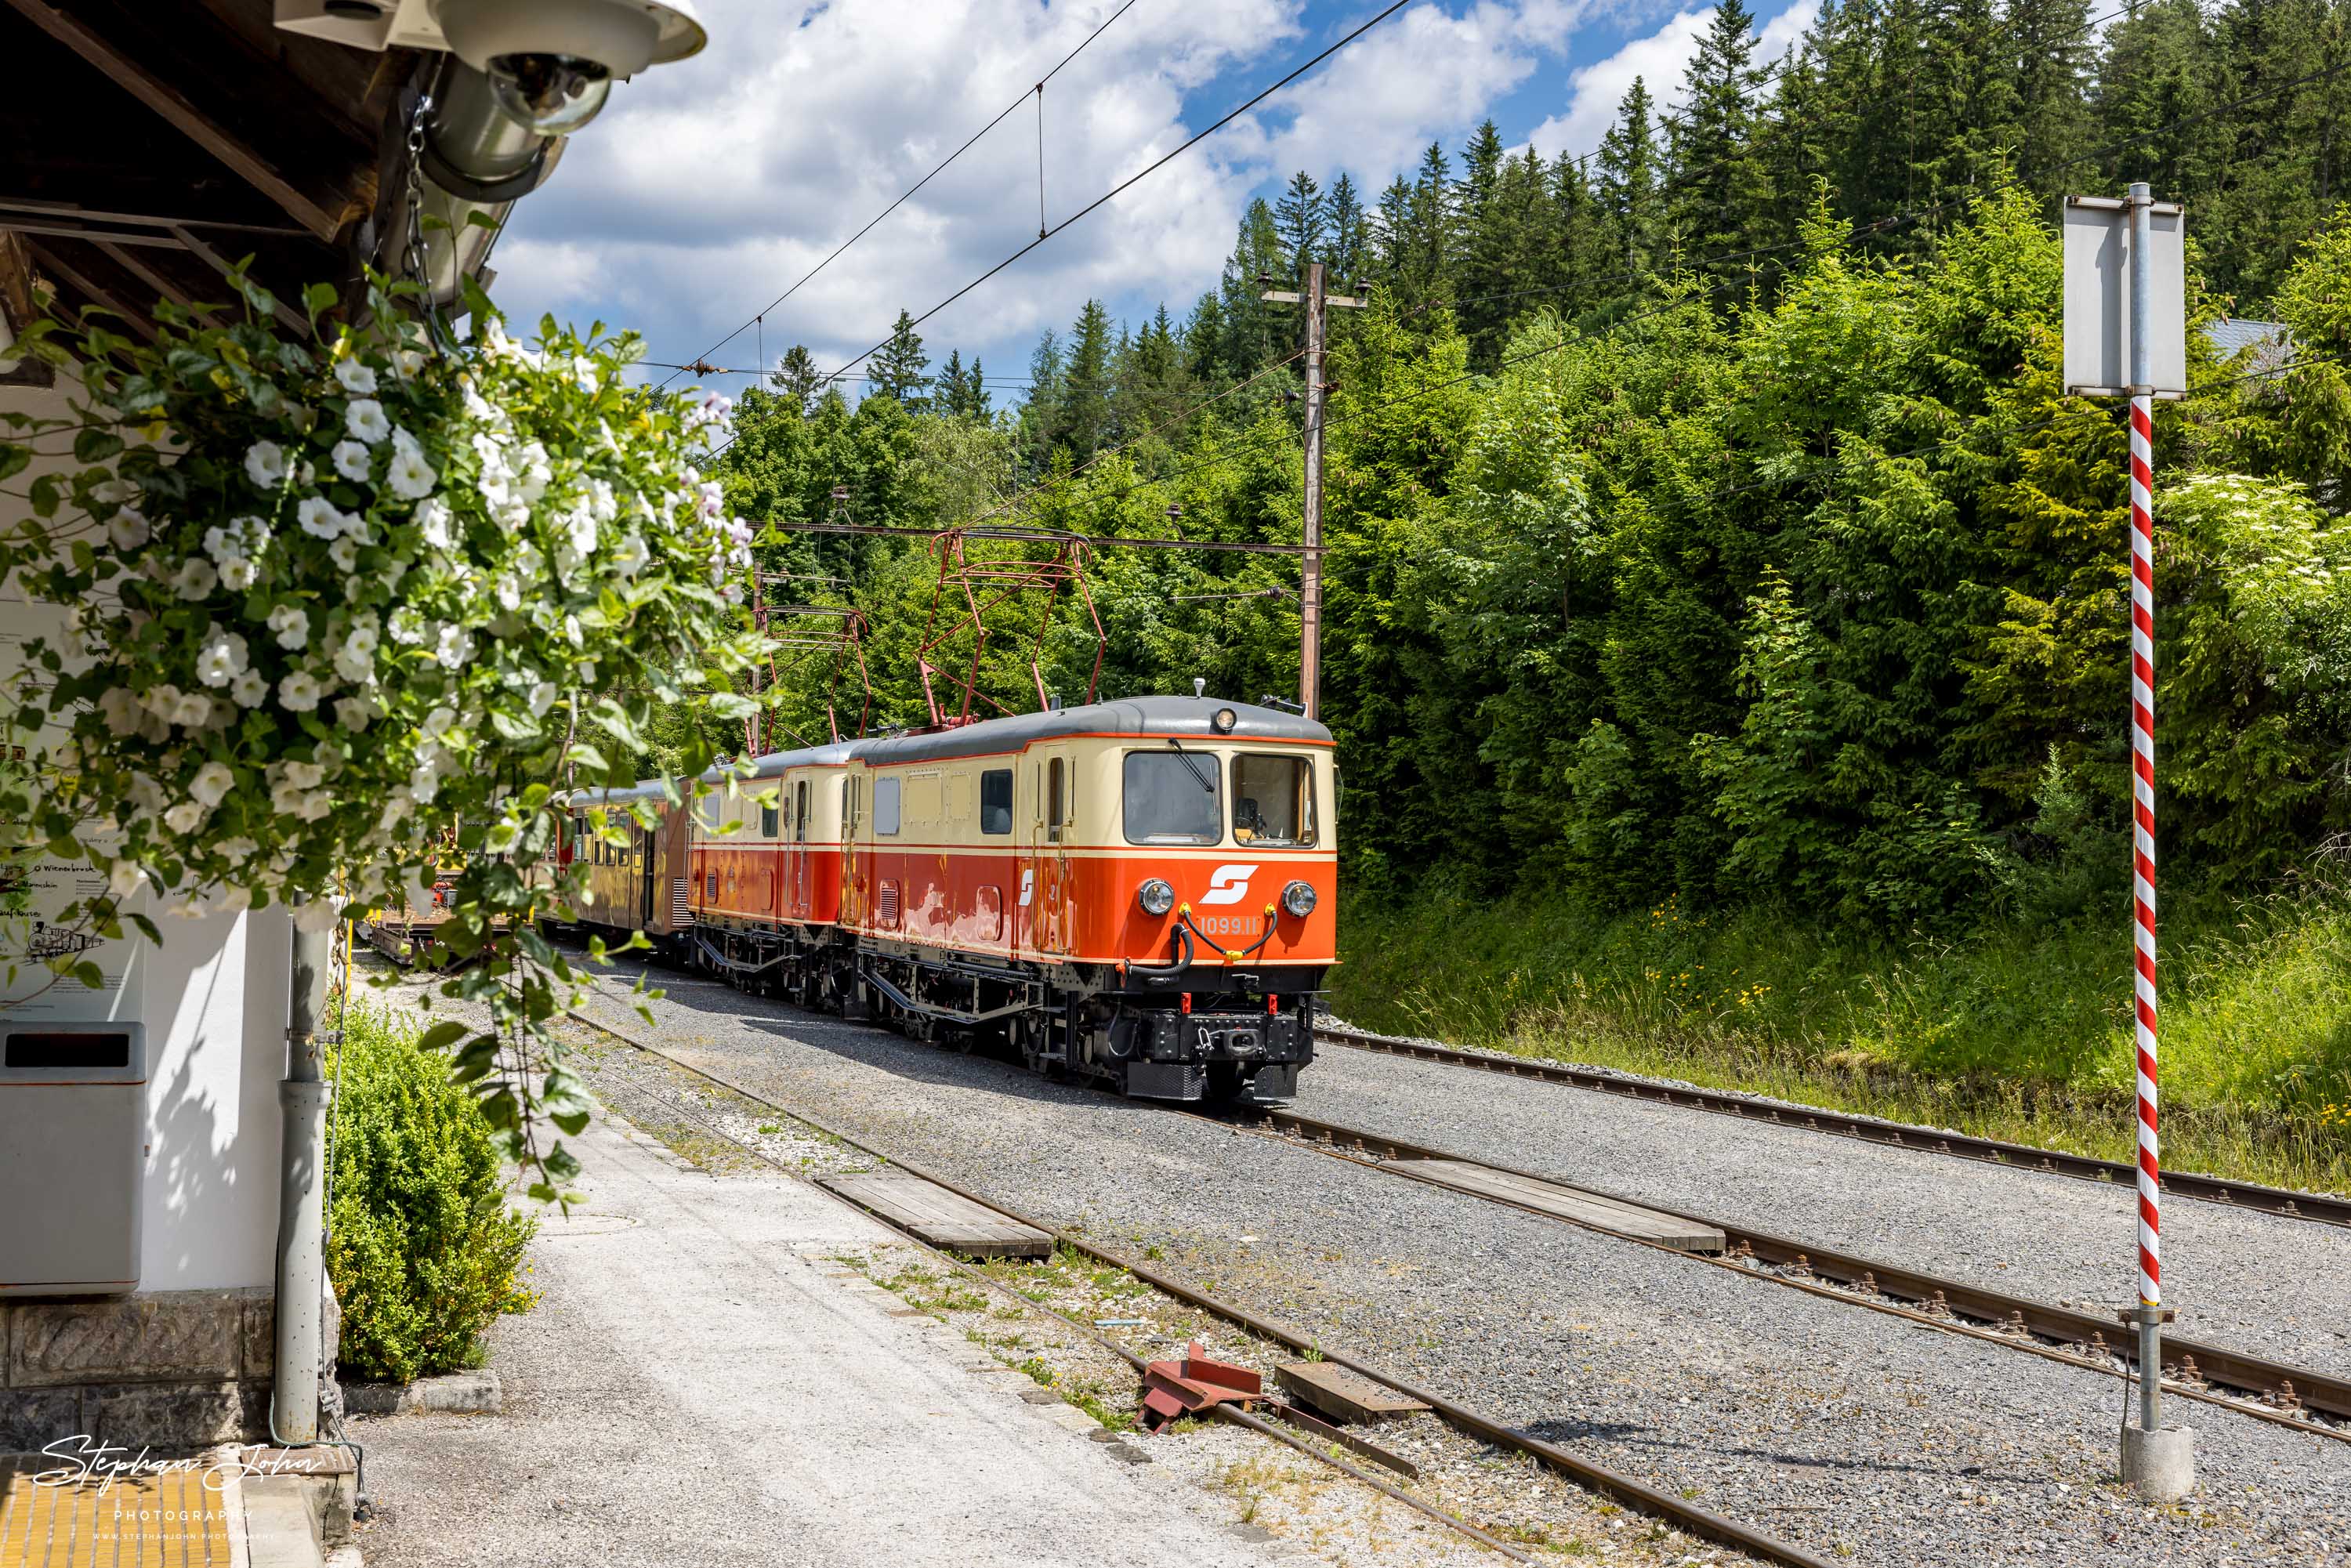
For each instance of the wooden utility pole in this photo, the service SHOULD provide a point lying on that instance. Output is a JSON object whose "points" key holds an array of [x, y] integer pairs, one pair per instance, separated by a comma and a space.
{"points": [[1309, 586]]}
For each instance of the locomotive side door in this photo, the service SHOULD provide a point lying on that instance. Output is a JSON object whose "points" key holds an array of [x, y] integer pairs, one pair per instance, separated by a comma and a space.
{"points": [[1050, 777], [799, 861]]}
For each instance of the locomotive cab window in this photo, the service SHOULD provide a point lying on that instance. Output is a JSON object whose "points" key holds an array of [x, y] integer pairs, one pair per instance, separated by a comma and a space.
{"points": [[1170, 798], [885, 806], [767, 821], [1273, 800], [995, 800]]}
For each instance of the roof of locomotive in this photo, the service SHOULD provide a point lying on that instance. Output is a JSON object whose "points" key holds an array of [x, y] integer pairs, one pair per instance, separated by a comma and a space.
{"points": [[1179, 716]]}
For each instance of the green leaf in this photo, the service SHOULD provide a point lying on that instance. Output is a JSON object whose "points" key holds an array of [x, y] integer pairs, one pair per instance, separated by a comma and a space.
{"points": [[13, 459], [96, 445], [320, 296], [88, 973], [443, 1035]]}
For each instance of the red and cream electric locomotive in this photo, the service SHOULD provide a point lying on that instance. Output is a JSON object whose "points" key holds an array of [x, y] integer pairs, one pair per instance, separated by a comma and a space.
{"points": [[1138, 892]]}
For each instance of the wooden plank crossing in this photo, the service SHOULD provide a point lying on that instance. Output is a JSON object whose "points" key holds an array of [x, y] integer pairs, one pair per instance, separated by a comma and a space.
{"points": [[1567, 1203], [944, 1218]]}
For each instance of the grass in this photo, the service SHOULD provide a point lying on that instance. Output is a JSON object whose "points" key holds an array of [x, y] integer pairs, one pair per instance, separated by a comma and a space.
{"points": [[2017, 1033]]}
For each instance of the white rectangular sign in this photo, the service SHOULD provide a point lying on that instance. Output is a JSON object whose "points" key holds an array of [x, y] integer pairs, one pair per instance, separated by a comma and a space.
{"points": [[2098, 301]]}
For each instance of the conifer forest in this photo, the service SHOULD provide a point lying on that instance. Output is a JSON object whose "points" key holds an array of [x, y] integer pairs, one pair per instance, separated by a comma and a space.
{"points": [[1712, 541]]}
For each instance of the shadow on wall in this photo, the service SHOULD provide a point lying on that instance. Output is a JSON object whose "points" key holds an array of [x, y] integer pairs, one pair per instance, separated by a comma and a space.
{"points": [[216, 1005]]}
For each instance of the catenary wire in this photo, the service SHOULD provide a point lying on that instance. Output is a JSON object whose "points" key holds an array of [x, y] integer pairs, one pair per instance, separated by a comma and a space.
{"points": [[908, 192]]}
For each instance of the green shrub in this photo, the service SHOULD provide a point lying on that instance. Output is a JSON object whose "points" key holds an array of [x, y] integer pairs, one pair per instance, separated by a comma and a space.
{"points": [[422, 1248]]}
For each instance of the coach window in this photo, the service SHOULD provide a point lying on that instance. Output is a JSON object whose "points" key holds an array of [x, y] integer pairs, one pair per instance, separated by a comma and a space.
{"points": [[1170, 798], [767, 822], [1273, 800], [995, 800], [885, 806]]}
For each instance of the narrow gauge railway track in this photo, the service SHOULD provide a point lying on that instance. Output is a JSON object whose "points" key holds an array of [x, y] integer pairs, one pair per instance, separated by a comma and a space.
{"points": [[2319, 1207], [2267, 1390], [1625, 1490]]}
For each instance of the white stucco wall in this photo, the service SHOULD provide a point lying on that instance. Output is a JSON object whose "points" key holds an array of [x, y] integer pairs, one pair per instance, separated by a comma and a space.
{"points": [[213, 999]]}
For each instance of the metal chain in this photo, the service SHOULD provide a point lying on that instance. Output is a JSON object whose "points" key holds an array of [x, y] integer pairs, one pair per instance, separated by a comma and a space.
{"points": [[414, 261]]}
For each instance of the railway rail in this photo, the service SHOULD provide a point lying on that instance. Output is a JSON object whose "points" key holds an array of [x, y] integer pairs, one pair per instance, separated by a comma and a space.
{"points": [[2267, 1390], [2320, 1207], [1622, 1489]]}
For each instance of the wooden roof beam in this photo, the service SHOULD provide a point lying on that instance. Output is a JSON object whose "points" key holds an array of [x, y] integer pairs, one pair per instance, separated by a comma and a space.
{"points": [[320, 212], [90, 290]]}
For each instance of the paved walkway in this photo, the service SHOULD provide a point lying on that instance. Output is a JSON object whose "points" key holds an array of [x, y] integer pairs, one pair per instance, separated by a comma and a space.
{"points": [[697, 1387]]}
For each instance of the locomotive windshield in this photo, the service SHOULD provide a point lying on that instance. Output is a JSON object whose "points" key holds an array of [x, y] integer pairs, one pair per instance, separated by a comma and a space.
{"points": [[1273, 800], [1172, 798]]}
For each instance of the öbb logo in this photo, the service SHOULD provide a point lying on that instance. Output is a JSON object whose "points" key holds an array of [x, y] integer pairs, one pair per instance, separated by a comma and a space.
{"points": [[1228, 885]]}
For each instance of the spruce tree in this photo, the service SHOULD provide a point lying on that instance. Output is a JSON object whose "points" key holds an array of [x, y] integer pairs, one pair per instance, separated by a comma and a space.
{"points": [[1304, 226], [1351, 232], [898, 365], [796, 377], [1628, 164], [1716, 194]]}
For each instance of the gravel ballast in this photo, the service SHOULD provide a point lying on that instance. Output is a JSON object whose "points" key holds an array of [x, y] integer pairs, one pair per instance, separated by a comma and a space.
{"points": [[1850, 1431], [2266, 1284]]}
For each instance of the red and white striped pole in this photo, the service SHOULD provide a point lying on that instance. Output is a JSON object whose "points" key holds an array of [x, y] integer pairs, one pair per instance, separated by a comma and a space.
{"points": [[2142, 684]]}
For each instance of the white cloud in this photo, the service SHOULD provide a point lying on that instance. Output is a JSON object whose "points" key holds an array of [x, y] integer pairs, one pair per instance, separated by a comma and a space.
{"points": [[707, 187], [1659, 60]]}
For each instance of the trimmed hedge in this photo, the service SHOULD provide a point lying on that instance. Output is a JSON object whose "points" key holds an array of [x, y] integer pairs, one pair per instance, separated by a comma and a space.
{"points": [[422, 1249]]}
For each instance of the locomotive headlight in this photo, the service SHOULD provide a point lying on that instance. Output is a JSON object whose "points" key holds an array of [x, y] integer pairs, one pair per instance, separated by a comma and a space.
{"points": [[1156, 897], [1298, 899], [1223, 721]]}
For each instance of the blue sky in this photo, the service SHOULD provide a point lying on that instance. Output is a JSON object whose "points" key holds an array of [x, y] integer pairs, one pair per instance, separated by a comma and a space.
{"points": [[706, 188]]}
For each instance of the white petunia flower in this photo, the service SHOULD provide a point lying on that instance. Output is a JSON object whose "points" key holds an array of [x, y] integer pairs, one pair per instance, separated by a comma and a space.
{"points": [[453, 647], [581, 524], [113, 492], [191, 710], [438, 724], [196, 578], [304, 775], [411, 477], [222, 659], [265, 465], [313, 806], [318, 517], [406, 626], [423, 783], [236, 849], [184, 818], [127, 529], [249, 689], [124, 878], [122, 711], [354, 713], [409, 361], [211, 784], [238, 574], [366, 419], [355, 377], [352, 460], [292, 626], [345, 553], [629, 556], [436, 519], [298, 693], [542, 697], [509, 594]]}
